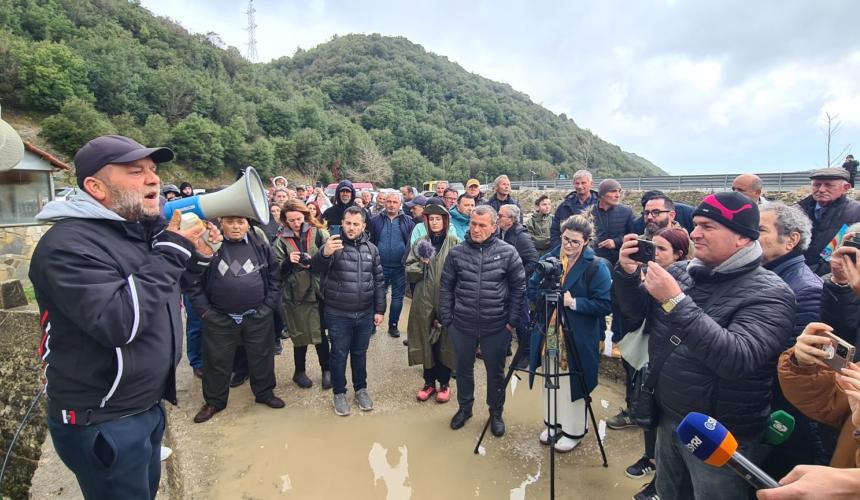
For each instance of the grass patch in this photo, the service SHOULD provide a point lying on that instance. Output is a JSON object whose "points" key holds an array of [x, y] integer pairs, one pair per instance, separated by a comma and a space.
{"points": [[30, 293]]}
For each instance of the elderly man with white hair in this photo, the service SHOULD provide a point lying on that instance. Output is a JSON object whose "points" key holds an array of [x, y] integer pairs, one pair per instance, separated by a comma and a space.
{"points": [[502, 195], [829, 209], [580, 200]]}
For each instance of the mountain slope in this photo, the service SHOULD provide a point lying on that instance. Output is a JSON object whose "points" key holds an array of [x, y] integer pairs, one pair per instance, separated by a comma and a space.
{"points": [[365, 106]]}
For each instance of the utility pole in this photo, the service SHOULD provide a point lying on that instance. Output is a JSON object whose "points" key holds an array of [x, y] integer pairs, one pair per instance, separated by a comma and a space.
{"points": [[252, 33]]}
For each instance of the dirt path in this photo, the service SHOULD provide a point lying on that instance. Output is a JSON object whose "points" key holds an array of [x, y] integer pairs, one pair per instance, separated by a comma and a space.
{"points": [[402, 449]]}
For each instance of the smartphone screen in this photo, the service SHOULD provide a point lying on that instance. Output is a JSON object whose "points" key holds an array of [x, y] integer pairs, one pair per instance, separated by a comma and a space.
{"points": [[334, 230]]}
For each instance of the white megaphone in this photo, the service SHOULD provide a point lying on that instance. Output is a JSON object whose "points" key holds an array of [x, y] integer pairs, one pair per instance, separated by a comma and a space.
{"points": [[244, 198]]}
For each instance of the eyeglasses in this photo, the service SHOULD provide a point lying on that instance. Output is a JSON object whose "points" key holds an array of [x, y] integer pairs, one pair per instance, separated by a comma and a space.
{"points": [[654, 213], [573, 243]]}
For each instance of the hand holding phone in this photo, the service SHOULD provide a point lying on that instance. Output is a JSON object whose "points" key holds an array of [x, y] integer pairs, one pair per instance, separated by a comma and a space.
{"points": [[647, 251], [334, 230], [332, 245]]}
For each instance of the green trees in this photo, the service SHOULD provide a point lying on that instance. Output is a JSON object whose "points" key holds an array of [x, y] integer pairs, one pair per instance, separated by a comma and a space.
{"points": [[76, 124], [50, 73], [197, 140], [381, 108]]}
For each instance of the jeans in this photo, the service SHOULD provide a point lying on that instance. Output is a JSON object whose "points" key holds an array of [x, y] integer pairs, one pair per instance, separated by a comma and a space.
{"points": [[395, 277], [221, 335], [682, 476], [494, 351], [116, 459], [193, 327], [349, 336]]}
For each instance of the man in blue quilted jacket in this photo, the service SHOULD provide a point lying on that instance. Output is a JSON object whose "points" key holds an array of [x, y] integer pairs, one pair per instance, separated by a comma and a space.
{"points": [[720, 321]]}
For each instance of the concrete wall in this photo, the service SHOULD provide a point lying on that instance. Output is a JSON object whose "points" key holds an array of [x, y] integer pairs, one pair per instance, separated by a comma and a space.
{"points": [[16, 248], [21, 373]]}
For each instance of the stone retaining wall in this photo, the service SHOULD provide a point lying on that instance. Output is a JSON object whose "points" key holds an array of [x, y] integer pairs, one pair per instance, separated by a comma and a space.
{"points": [[16, 249], [21, 373]]}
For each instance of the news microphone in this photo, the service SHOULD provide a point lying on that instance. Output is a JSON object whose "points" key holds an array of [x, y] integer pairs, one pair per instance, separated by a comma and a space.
{"points": [[712, 443], [779, 428]]}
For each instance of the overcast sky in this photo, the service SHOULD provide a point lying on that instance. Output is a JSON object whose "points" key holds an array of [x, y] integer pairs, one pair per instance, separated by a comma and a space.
{"points": [[694, 86]]}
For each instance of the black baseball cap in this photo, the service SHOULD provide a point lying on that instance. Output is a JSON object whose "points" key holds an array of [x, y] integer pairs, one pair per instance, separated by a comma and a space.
{"points": [[108, 149]]}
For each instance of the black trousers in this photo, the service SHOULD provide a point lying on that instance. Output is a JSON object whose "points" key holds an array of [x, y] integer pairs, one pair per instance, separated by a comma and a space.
{"points": [[221, 335], [300, 355], [494, 348], [439, 372]]}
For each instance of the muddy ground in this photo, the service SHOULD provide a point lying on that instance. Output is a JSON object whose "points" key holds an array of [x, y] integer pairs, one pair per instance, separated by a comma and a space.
{"points": [[403, 449]]}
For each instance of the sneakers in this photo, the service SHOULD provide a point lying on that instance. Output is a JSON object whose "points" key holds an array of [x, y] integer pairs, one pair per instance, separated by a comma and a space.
{"points": [[642, 467], [621, 421], [425, 393], [363, 400], [443, 394], [648, 492], [341, 406]]}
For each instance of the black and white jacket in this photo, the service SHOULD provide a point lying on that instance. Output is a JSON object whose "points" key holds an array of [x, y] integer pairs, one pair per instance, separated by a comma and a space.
{"points": [[108, 292]]}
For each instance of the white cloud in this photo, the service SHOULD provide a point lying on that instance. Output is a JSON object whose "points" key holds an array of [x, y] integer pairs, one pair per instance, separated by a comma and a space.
{"points": [[692, 86]]}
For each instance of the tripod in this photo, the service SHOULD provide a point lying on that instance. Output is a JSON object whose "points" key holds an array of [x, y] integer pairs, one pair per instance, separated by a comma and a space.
{"points": [[552, 376]]}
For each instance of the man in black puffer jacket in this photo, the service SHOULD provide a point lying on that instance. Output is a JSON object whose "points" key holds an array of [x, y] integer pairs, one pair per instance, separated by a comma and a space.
{"points": [[722, 320], [480, 303], [353, 287]]}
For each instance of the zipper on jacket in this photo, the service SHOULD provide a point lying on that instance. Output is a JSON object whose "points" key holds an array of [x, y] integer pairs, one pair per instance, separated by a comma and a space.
{"points": [[480, 287]]}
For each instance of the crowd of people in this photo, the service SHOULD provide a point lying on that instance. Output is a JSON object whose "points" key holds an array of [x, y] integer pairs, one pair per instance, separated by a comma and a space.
{"points": [[730, 314]]}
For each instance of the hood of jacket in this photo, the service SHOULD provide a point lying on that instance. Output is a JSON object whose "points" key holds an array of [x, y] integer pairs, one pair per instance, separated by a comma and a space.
{"points": [[79, 206], [344, 184]]}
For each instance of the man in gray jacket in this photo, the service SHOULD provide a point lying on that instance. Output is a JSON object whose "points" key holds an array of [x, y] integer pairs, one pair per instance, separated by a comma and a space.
{"points": [[480, 303]]}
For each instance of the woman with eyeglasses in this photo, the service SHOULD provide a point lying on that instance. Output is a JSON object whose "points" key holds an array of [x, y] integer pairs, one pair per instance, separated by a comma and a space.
{"points": [[584, 302]]}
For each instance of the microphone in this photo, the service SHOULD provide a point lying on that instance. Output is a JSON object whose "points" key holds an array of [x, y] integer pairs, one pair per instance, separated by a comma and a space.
{"points": [[779, 428], [712, 443]]}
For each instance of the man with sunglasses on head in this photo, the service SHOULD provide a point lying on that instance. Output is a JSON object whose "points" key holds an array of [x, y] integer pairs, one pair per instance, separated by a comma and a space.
{"points": [[829, 208]]}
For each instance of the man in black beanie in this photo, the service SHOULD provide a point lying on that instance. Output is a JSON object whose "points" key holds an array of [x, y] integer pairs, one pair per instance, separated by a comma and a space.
{"points": [[717, 325]]}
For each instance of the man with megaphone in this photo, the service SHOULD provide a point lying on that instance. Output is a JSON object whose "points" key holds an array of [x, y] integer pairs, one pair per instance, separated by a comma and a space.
{"points": [[107, 278]]}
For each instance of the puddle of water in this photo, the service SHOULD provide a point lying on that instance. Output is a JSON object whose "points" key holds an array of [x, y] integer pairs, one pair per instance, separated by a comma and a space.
{"points": [[286, 485], [520, 493], [403, 449], [393, 477]]}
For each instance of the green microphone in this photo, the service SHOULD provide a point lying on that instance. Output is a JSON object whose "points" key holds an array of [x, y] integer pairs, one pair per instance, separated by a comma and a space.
{"points": [[779, 428]]}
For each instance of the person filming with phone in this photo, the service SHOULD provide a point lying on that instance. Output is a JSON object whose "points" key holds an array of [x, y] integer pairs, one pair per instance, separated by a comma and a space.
{"points": [[716, 326], [353, 288]]}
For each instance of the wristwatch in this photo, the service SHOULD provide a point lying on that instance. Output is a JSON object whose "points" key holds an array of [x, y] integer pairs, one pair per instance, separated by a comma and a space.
{"points": [[671, 303]]}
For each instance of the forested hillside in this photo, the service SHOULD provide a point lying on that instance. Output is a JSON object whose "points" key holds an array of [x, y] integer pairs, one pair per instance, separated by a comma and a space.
{"points": [[371, 107]]}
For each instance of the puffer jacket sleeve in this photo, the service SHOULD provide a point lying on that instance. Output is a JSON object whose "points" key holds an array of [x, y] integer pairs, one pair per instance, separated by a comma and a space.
{"points": [[528, 252], [516, 287], [808, 307], [598, 301], [813, 390], [633, 302], [378, 281], [446, 288], [757, 334], [840, 308]]}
